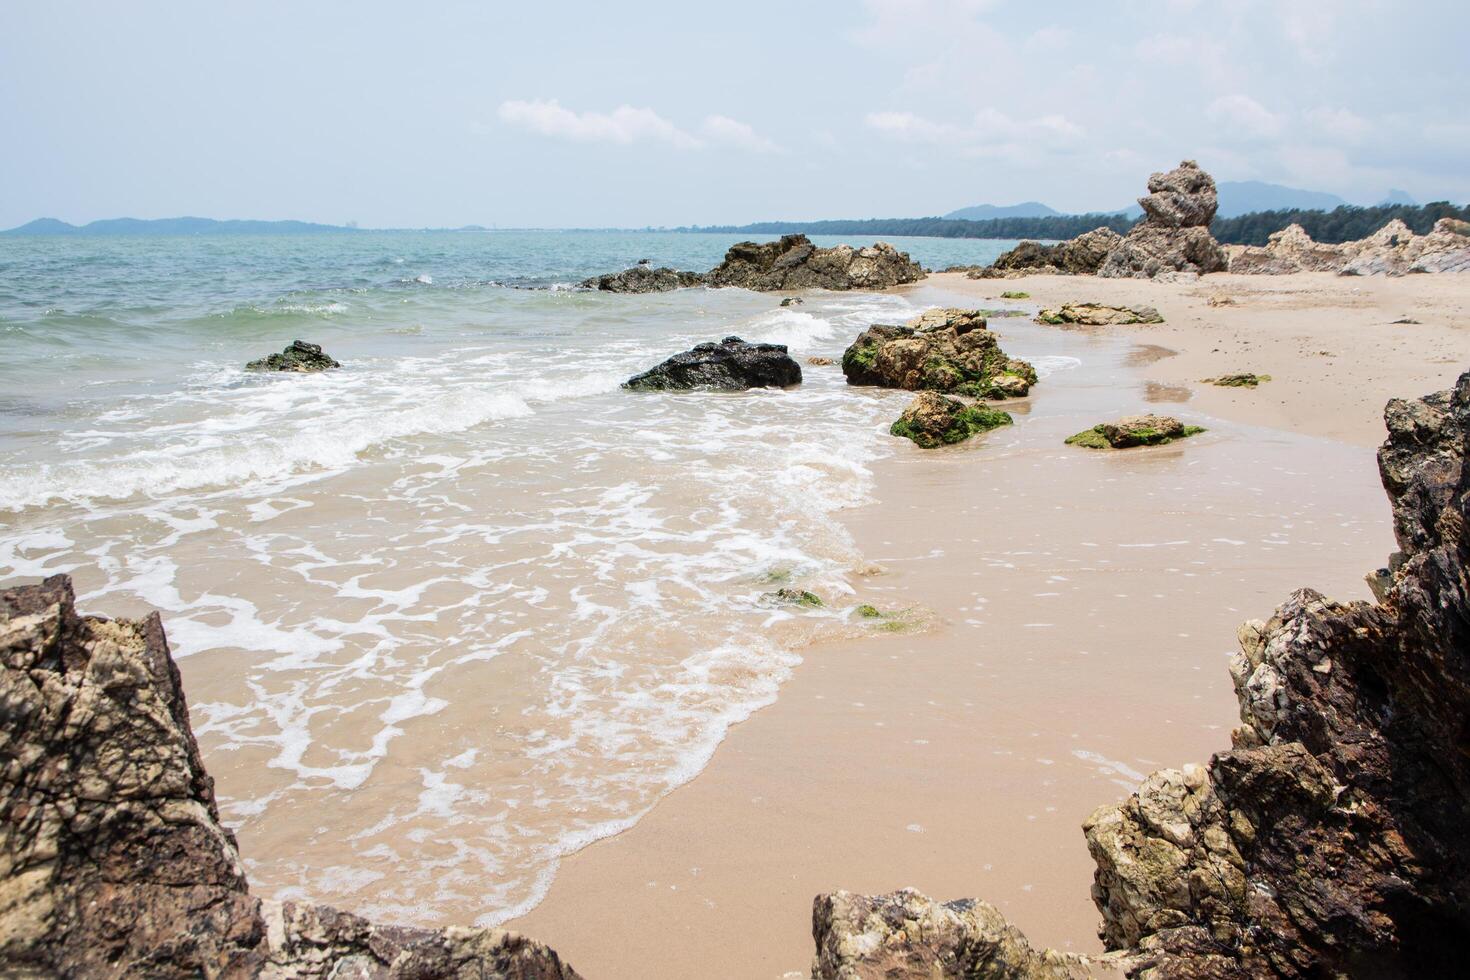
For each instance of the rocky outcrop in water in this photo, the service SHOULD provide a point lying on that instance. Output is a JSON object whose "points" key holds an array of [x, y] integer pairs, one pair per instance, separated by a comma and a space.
{"points": [[644, 279], [1098, 315], [730, 365], [947, 350], [113, 861], [1393, 250], [1082, 255], [1331, 840], [300, 357], [1174, 236], [793, 262], [932, 419]]}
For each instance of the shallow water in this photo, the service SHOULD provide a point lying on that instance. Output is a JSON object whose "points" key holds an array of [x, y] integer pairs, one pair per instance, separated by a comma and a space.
{"points": [[464, 605]]}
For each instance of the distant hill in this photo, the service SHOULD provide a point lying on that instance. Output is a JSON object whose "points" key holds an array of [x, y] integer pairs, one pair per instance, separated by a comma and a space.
{"points": [[171, 226], [1397, 196], [1239, 197], [987, 212]]}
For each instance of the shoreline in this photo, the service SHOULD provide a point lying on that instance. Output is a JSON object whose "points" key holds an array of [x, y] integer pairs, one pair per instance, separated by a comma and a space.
{"points": [[927, 759]]}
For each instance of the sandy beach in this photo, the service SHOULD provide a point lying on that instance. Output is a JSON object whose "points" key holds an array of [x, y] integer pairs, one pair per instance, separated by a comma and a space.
{"points": [[1071, 615]]}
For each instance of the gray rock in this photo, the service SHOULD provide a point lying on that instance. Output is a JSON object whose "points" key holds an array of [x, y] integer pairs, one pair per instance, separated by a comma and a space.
{"points": [[643, 279], [730, 365], [793, 262], [300, 357]]}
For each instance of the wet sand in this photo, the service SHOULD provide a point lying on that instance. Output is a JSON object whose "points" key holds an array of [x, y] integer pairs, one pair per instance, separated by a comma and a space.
{"points": [[1076, 611]]}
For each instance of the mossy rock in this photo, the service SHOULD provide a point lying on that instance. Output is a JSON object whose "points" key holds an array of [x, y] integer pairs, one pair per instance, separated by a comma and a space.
{"points": [[866, 611], [1016, 294], [1242, 380], [1136, 430], [933, 420]]}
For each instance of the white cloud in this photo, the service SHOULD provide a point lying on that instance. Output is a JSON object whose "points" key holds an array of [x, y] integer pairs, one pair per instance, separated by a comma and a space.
{"points": [[1341, 124], [625, 124], [989, 127], [732, 132], [1247, 117], [914, 129]]}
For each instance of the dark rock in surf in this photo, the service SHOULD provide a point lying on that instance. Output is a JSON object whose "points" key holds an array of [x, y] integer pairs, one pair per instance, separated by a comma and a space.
{"points": [[643, 279], [730, 365], [793, 262], [300, 357], [113, 860]]}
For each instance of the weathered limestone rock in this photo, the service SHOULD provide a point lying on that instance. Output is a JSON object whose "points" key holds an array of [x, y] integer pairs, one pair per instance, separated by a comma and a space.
{"points": [[644, 279], [908, 935], [1393, 250], [1134, 430], [793, 262], [1098, 315], [300, 357], [1080, 256], [113, 862], [1174, 236], [730, 365], [933, 420], [941, 350], [1242, 380]]}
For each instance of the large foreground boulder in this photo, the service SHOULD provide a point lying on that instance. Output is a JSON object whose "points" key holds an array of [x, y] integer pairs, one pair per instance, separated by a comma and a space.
{"points": [[300, 357], [1393, 250], [113, 861], [730, 365], [793, 262], [1174, 236], [1333, 838], [947, 350], [644, 279]]}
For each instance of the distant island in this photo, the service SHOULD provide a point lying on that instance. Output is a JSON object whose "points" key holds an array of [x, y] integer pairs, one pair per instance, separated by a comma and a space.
{"points": [[190, 226]]}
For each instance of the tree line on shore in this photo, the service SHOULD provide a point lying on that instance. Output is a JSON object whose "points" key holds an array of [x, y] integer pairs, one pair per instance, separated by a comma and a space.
{"points": [[1346, 223]]}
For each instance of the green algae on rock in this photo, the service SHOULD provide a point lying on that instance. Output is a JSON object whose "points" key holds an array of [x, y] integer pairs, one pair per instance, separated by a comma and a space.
{"points": [[1098, 315], [300, 357], [793, 597], [1015, 294], [1243, 380], [933, 420], [1135, 430], [939, 350]]}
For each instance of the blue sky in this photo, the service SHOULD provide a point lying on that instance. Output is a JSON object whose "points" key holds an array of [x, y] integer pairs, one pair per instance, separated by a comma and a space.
{"points": [[626, 114]]}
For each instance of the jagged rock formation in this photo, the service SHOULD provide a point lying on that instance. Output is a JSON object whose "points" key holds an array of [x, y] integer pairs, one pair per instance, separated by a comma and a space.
{"points": [[300, 357], [1244, 379], [1174, 236], [730, 365], [644, 279], [1393, 250], [1333, 838], [933, 420], [1134, 430], [113, 862], [1098, 315], [794, 262], [908, 935], [941, 350], [1080, 256]]}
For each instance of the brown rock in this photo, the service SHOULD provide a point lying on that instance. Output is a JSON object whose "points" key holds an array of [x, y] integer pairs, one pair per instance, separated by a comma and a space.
{"points": [[941, 350], [113, 862], [1174, 237], [793, 262]]}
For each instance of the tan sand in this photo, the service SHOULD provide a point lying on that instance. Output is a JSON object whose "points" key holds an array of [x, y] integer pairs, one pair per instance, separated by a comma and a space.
{"points": [[1077, 606]]}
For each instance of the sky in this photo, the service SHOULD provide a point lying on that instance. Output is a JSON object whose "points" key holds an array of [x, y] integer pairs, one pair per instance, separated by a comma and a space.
{"points": [[557, 114]]}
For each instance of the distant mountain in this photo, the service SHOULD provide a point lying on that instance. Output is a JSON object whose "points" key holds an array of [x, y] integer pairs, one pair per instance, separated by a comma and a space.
{"points": [[1239, 197], [1397, 196], [986, 212], [171, 226]]}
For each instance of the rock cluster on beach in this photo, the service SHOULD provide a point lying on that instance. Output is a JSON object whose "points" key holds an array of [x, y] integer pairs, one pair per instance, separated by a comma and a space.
{"points": [[1172, 240], [932, 419], [1393, 250], [1098, 315], [947, 350], [300, 357], [791, 262], [1331, 838], [113, 860], [730, 365]]}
